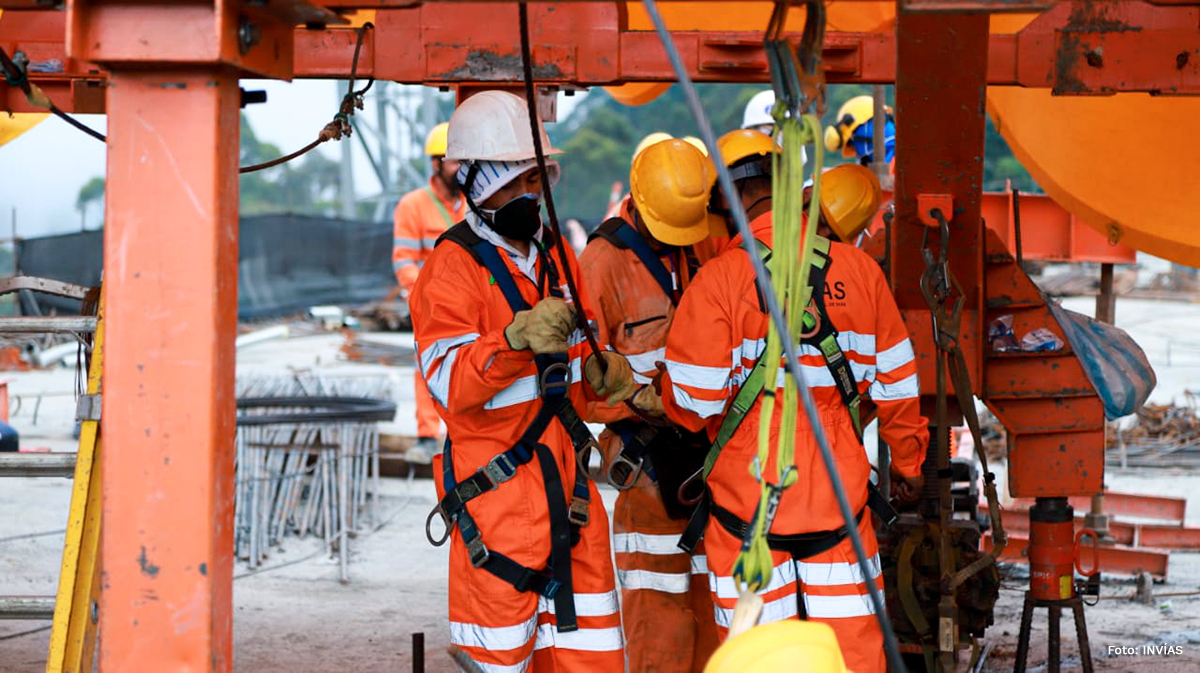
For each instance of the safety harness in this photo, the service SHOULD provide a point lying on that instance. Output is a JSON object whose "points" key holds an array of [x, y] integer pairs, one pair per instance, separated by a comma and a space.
{"points": [[666, 453], [819, 332], [554, 381], [623, 236]]}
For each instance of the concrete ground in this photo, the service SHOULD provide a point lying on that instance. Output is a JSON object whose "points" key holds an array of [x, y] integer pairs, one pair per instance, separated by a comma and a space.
{"points": [[293, 615]]}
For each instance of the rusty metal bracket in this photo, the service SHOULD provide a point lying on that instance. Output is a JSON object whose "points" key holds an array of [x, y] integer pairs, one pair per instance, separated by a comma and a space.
{"points": [[87, 408], [43, 285]]}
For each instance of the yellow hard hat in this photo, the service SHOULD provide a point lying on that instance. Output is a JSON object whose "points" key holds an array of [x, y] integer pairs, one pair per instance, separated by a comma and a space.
{"points": [[650, 139], [780, 647], [850, 196], [435, 142], [741, 144], [853, 113], [697, 143], [670, 182]]}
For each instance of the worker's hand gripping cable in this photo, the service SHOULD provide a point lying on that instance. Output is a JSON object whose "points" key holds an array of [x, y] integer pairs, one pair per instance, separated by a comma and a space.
{"points": [[815, 10], [617, 386]]}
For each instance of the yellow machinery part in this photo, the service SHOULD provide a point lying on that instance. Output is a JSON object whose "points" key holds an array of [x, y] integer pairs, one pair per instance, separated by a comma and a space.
{"points": [[1125, 165], [73, 633], [11, 127]]}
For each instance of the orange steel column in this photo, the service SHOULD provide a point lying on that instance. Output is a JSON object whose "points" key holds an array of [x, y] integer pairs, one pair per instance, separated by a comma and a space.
{"points": [[170, 283]]}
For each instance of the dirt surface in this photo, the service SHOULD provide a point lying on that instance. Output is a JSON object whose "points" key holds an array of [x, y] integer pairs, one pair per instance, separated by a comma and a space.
{"points": [[294, 615]]}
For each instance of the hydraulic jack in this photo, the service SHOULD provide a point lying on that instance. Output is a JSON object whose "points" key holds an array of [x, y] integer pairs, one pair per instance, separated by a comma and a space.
{"points": [[1053, 558]]}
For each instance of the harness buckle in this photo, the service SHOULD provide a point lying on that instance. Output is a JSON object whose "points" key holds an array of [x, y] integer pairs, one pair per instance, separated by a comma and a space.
{"points": [[583, 459], [478, 552], [623, 472], [551, 590], [499, 469], [447, 522], [546, 387], [811, 311], [578, 513]]}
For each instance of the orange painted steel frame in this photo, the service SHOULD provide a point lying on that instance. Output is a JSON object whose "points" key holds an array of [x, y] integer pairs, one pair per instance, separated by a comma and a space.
{"points": [[167, 73], [1049, 233], [587, 44]]}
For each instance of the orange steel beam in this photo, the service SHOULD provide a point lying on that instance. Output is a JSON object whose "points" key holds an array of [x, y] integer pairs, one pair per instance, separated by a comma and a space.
{"points": [[1154, 536], [170, 252], [1127, 504], [1048, 232], [1076, 50], [1113, 559]]}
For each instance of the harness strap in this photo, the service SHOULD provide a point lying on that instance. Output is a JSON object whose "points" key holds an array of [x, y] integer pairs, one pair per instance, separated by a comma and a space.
{"points": [[825, 339], [441, 208], [800, 545], [634, 457], [649, 259]]}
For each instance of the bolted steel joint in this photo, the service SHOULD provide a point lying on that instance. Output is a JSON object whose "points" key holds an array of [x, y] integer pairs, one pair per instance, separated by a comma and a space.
{"points": [[248, 34]]}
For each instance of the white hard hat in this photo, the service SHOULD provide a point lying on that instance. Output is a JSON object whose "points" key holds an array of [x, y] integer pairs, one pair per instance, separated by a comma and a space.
{"points": [[758, 110], [493, 126]]}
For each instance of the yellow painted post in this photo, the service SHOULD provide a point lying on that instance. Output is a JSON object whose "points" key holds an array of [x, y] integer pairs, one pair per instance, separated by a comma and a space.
{"points": [[73, 635]]}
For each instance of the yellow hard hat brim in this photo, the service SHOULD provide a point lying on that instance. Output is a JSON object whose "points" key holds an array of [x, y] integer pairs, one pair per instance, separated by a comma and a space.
{"points": [[682, 236]]}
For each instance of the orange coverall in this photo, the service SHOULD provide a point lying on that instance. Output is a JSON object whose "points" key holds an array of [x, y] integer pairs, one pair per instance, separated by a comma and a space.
{"points": [[718, 335], [487, 394], [665, 602], [416, 225]]}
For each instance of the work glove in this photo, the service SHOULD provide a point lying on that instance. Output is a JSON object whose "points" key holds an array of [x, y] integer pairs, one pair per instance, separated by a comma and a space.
{"points": [[543, 328], [616, 383], [649, 400]]}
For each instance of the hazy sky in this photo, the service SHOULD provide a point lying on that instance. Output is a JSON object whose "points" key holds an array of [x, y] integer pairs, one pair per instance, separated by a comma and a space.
{"points": [[43, 169]]}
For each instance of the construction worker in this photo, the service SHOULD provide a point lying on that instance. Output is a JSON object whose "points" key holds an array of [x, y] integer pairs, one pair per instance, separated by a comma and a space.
{"points": [[853, 134], [637, 266], [815, 571], [531, 583], [850, 196], [421, 216], [757, 115], [618, 197]]}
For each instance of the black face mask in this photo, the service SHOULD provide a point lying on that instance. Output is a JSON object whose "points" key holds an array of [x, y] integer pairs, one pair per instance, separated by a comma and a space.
{"points": [[519, 219]]}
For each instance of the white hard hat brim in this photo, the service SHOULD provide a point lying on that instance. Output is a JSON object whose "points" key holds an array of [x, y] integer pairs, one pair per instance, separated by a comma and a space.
{"points": [[508, 156]]}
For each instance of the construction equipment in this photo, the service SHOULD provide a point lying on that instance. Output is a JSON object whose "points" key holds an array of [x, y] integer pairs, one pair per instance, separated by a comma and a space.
{"points": [[74, 609], [941, 54]]}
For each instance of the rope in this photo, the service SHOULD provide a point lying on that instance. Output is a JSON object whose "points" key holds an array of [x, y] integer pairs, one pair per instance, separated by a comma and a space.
{"points": [[338, 128], [531, 103], [891, 647], [792, 250]]}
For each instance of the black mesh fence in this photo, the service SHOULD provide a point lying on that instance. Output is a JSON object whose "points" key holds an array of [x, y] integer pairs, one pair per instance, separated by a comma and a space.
{"points": [[286, 263]]}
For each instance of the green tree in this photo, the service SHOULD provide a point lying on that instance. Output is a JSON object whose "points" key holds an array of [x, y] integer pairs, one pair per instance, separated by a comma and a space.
{"points": [[600, 135], [307, 184], [91, 192]]}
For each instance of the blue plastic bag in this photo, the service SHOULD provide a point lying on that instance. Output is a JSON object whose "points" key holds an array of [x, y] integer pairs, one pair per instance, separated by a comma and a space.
{"points": [[1116, 366]]}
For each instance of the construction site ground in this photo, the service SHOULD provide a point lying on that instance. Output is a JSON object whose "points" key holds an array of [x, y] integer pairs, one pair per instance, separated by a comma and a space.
{"points": [[293, 614]]}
